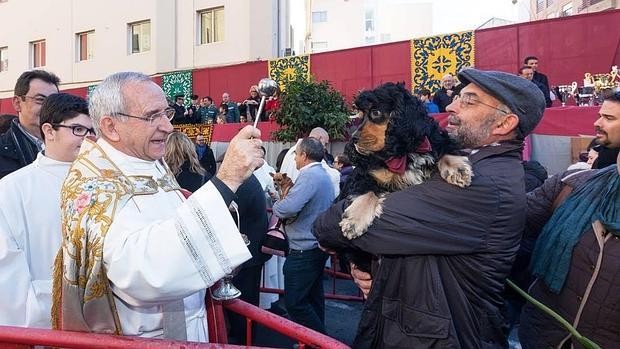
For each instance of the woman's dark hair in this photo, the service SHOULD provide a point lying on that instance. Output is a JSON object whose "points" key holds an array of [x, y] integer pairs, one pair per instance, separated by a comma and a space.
{"points": [[280, 159], [60, 107], [344, 160]]}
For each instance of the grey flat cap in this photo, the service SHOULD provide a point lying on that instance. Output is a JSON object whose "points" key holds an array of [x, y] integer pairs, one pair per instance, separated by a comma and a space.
{"points": [[522, 96]]}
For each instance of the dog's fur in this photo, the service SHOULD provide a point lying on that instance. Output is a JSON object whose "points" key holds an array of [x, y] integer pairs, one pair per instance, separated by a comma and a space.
{"points": [[282, 182], [394, 125]]}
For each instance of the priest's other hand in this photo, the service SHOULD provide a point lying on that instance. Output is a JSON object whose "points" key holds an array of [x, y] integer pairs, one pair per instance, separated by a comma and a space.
{"points": [[243, 156], [362, 279]]}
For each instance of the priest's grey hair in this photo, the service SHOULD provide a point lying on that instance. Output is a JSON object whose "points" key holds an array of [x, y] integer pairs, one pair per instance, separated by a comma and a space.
{"points": [[108, 98]]}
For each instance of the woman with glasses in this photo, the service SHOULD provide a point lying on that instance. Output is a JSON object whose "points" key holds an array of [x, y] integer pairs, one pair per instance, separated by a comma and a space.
{"points": [[183, 161]]}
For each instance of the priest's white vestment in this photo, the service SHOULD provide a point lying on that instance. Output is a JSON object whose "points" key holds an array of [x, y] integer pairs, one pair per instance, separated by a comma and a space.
{"points": [[157, 247], [29, 240]]}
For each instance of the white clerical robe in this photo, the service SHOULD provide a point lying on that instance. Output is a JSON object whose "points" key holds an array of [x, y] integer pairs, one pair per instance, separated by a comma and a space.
{"points": [[290, 168], [29, 239], [162, 248]]}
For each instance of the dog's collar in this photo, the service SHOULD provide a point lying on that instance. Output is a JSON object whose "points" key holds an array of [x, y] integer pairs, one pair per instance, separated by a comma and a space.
{"points": [[399, 164]]}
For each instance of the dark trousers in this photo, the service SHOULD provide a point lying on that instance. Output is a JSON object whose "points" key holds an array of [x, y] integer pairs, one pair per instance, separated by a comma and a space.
{"points": [[248, 282], [303, 288]]}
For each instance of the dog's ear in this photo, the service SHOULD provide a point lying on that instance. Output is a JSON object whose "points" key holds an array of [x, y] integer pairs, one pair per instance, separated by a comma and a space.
{"points": [[271, 174], [284, 175]]}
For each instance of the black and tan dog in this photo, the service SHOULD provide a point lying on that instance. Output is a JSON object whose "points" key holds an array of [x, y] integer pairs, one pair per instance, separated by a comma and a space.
{"points": [[397, 145]]}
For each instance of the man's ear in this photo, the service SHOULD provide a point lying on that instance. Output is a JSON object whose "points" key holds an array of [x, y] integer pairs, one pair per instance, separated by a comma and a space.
{"points": [[506, 126], [107, 126], [16, 101]]}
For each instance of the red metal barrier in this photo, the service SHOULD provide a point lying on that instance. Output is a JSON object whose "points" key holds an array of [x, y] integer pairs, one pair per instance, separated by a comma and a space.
{"points": [[25, 338], [19, 337], [303, 335]]}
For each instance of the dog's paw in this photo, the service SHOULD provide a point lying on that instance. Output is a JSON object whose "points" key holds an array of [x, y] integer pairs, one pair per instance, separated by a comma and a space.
{"points": [[360, 214], [455, 170]]}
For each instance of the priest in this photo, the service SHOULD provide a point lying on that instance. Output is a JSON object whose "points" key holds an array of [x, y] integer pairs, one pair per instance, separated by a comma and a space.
{"points": [[30, 214], [137, 256]]}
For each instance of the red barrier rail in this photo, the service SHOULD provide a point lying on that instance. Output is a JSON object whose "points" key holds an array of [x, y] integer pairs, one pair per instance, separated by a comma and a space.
{"points": [[22, 338], [303, 335], [25, 338]]}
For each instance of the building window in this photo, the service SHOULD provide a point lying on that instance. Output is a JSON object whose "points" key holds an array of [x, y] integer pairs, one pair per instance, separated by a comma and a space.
{"points": [[567, 10], [540, 5], [85, 46], [37, 49], [369, 20], [319, 17], [319, 45], [550, 2], [140, 36], [211, 25], [4, 58]]}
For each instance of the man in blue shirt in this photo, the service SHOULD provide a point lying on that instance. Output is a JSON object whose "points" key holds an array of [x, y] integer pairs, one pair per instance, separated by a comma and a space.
{"points": [[431, 107], [312, 194]]}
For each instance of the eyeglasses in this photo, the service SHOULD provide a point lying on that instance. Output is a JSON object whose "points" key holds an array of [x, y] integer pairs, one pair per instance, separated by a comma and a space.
{"points": [[37, 99], [78, 130], [168, 113], [467, 100]]}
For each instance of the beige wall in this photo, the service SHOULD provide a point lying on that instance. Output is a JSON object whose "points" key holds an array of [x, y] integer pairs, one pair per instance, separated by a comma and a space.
{"points": [[345, 26], [250, 32]]}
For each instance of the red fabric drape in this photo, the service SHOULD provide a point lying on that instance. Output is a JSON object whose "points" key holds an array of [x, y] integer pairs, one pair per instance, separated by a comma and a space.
{"points": [[566, 47], [234, 79], [352, 70]]}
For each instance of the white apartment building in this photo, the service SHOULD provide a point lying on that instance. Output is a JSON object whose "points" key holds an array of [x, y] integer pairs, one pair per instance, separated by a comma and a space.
{"points": [[340, 24], [83, 41]]}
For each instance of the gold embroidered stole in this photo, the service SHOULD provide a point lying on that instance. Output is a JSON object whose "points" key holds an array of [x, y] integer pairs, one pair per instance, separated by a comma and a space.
{"points": [[94, 191]]}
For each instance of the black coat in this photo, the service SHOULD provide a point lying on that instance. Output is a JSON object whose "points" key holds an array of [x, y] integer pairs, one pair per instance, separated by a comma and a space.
{"points": [[189, 180], [16, 150], [444, 254], [542, 82], [253, 216], [207, 161], [442, 99]]}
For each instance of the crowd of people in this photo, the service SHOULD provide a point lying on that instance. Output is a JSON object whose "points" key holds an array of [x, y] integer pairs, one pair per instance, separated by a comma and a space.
{"points": [[112, 222], [205, 111], [448, 88]]}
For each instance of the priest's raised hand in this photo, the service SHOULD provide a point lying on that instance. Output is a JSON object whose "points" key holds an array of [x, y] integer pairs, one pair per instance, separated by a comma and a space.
{"points": [[243, 156]]}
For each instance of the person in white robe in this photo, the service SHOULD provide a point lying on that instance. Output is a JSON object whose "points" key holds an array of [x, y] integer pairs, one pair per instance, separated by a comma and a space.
{"points": [[30, 214], [137, 256], [289, 167]]}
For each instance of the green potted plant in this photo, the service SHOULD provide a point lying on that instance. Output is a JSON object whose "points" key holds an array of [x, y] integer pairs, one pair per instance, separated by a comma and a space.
{"points": [[309, 104]]}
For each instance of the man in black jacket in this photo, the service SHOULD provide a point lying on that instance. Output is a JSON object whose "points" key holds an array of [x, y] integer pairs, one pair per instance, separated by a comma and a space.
{"points": [[539, 78], [254, 224], [205, 156], [444, 96], [21, 143], [445, 251]]}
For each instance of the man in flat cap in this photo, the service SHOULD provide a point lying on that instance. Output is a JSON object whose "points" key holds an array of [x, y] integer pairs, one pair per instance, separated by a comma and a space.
{"points": [[444, 252]]}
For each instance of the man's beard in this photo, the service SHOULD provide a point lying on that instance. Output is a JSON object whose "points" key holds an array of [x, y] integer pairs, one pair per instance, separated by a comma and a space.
{"points": [[469, 136], [602, 141]]}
